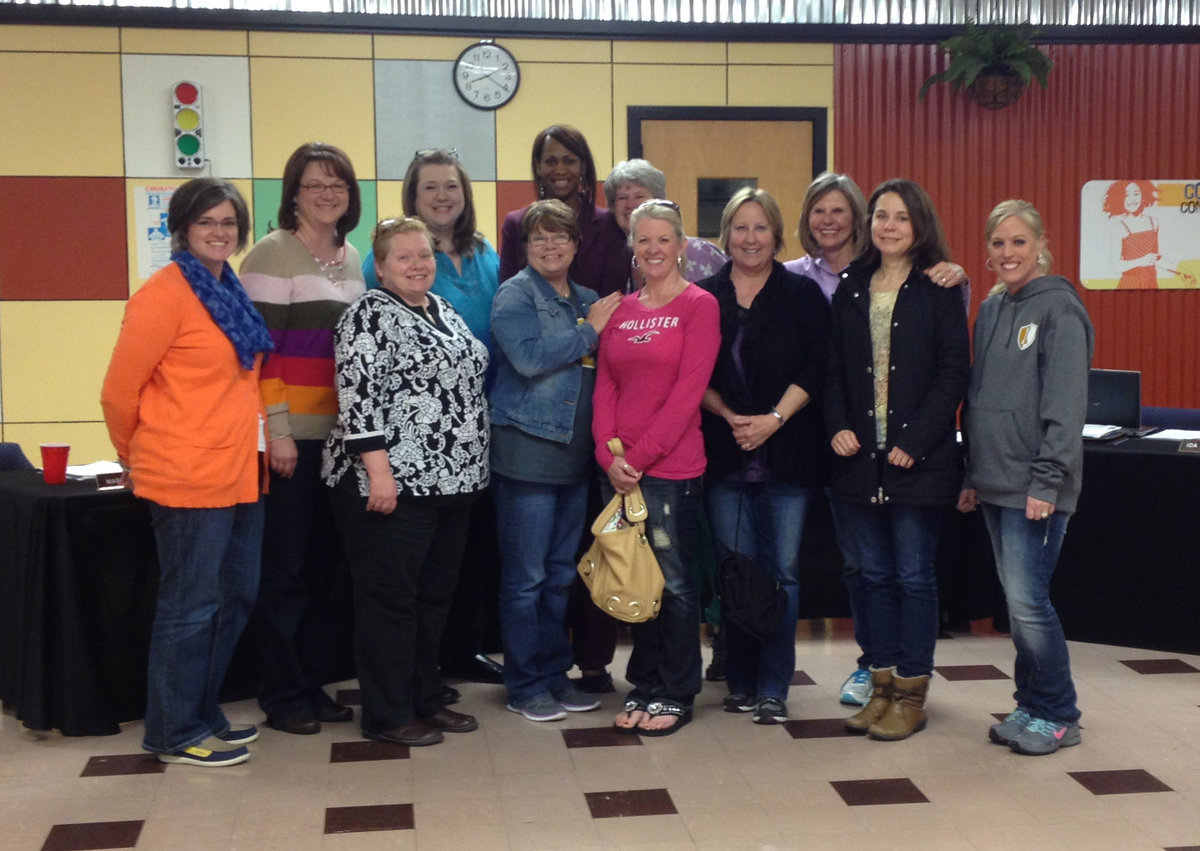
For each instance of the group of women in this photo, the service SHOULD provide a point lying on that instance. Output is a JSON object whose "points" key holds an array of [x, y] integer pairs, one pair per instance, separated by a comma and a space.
{"points": [[384, 411]]}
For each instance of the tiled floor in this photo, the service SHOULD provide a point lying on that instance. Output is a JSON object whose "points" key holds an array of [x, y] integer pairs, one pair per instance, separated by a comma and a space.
{"points": [[721, 783]]}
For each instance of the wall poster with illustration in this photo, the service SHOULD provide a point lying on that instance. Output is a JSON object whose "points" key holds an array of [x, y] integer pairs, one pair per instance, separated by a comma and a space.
{"points": [[1139, 234]]}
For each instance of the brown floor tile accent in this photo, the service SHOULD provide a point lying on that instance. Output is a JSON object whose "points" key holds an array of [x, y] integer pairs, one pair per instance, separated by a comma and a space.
{"points": [[93, 834], [898, 790], [799, 678], [1182, 848], [1160, 666], [349, 697], [635, 802], [958, 673], [817, 728], [1122, 782], [366, 751], [362, 819], [116, 764], [999, 716], [599, 737]]}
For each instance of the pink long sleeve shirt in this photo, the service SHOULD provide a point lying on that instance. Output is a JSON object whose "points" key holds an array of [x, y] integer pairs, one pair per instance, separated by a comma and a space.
{"points": [[653, 369]]}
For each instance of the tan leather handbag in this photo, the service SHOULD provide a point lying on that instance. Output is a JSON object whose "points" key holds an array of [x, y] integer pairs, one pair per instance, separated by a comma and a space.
{"points": [[620, 568]]}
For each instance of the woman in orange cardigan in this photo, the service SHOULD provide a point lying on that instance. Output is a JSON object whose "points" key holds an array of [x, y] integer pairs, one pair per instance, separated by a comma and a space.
{"points": [[183, 409]]}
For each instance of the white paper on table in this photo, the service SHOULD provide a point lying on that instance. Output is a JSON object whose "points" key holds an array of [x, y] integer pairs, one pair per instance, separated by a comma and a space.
{"points": [[1099, 432], [85, 471], [1174, 434]]}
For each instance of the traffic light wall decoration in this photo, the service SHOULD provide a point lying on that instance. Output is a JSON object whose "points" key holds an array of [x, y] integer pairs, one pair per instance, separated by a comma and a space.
{"points": [[189, 125]]}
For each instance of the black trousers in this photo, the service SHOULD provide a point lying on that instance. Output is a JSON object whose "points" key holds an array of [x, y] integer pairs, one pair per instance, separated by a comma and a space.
{"points": [[303, 607], [405, 566]]}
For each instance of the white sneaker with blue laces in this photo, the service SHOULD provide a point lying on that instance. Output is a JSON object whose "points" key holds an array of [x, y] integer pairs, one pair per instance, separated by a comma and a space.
{"points": [[856, 690]]}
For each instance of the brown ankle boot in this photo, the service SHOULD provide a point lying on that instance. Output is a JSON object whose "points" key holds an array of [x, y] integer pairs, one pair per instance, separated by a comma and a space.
{"points": [[881, 697], [905, 715]]}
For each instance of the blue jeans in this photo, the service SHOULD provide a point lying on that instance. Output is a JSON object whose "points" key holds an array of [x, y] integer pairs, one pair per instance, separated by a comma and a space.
{"points": [[897, 545], [539, 526], [772, 522], [1026, 555], [856, 589], [665, 661], [208, 567]]}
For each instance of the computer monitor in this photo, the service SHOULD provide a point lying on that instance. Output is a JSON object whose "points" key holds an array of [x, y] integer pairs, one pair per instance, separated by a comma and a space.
{"points": [[1115, 397]]}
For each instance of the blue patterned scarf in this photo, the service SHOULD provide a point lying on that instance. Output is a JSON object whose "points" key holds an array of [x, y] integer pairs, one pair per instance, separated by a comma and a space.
{"points": [[229, 307]]}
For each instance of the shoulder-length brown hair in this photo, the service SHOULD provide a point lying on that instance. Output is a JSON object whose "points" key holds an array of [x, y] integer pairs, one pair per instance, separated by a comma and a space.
{"points": [[335, 162], [466, 236], [929, 242]]}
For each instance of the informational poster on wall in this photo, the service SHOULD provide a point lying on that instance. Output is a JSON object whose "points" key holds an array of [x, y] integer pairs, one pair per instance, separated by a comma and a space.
{"points": [[1139, 234], [150, 222]]}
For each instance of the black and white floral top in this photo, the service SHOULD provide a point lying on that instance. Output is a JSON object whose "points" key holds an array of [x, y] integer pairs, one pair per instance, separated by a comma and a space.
{"points": [[406, 385]]}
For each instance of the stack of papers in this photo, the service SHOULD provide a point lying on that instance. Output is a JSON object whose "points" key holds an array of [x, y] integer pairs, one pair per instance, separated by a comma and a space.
{"points": [[1100, 432]]}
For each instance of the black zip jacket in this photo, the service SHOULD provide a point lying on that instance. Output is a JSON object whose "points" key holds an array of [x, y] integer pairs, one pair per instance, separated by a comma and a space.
{"points": [[927, 376]]}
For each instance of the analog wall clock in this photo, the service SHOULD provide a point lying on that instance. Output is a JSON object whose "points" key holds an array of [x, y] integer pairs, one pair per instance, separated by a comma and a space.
{"points": [[486, 75]]}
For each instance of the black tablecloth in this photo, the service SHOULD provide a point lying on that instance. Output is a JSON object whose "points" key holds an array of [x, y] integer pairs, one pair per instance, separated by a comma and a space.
{"points": [[78, 578]]}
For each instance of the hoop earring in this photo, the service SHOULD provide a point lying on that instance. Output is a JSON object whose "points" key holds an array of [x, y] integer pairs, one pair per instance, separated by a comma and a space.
{"points": [[636, 264]]}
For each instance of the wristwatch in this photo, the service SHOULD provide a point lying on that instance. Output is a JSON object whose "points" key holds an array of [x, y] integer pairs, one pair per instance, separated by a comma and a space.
{"points": [[777, 415]]}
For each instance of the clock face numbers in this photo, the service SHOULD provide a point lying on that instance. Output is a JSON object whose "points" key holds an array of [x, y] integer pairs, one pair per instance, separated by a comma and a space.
{"points": [[486, 76]]}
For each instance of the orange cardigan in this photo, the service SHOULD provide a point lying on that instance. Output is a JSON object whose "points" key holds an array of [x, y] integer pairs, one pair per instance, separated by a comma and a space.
{"points": [[183, 414]]}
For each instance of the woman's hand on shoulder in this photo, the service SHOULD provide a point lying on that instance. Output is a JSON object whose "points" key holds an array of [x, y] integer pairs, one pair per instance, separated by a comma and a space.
{"points": [[947, 274], [845, 443], [283, 455], [602, 310]]}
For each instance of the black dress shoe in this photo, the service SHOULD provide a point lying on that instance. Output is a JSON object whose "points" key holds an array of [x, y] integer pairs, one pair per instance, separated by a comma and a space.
{"points": [[329, 711], [477, 669], [415, 734], [450, 695], [297, 725], [451, 721]]}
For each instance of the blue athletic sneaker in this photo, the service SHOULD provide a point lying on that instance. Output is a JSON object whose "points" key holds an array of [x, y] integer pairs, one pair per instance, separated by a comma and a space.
{"points": [[856, 691], [239, 735], [1043, 737]]}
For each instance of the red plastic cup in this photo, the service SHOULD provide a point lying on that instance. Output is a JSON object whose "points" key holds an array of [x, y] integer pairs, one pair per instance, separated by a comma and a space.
{"points": [[54, 462]]}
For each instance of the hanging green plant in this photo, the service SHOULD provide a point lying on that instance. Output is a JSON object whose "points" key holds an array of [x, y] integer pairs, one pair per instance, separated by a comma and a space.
{"points": [[992, 53]]}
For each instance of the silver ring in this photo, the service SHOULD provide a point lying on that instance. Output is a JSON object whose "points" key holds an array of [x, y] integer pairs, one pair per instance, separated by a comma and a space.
{"points": [[1045, 515]]}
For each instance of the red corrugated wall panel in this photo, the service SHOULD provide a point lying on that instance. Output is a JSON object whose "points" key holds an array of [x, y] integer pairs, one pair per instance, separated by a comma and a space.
{"points": [[1112, 111]]}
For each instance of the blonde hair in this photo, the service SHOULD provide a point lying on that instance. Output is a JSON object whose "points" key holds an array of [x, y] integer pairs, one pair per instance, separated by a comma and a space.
{"points": [[747, 195], [381, 237], [1028, 216]]}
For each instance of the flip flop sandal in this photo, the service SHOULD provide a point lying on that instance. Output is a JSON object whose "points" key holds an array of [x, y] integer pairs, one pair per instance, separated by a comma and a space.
{"points": [[632, 704], [682, 714]]}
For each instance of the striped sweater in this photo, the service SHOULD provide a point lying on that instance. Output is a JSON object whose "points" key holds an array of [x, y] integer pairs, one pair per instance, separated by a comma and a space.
{"points": [[301, 307]]}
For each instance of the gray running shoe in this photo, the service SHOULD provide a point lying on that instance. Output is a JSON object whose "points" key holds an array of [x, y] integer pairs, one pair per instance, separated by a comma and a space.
{"points": [[1043, 737], [541, 707], [1004, 732]]}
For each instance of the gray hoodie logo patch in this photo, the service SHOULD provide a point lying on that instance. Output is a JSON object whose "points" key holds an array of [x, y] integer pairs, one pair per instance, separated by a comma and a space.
{"points": [[1026, 336]]}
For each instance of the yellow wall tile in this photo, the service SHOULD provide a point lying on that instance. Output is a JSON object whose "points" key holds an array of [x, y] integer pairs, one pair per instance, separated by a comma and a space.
{"points": [[557, 50], [772, 85], [701, 85], [62, 114], [89, 441], [421, 46], [132, 193], [389, 196], [757, 53], [325, 45], [551, 93], [65, 387], [185, 42], [485, 210], [305, 100], [60, 39], [669, 52]]}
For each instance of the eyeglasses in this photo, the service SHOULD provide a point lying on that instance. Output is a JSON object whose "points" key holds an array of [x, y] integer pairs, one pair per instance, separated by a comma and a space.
{"points": [[339, 187], [426, 152], [216, 224], [540, 239], [660, 202], [386, 225]]}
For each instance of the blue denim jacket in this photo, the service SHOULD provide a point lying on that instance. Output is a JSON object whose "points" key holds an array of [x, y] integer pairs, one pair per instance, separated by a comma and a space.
{"points": [[539, 345]]}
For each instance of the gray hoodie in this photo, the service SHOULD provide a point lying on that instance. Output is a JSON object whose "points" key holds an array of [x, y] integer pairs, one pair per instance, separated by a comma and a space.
{"points": [[1027, 399]]}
